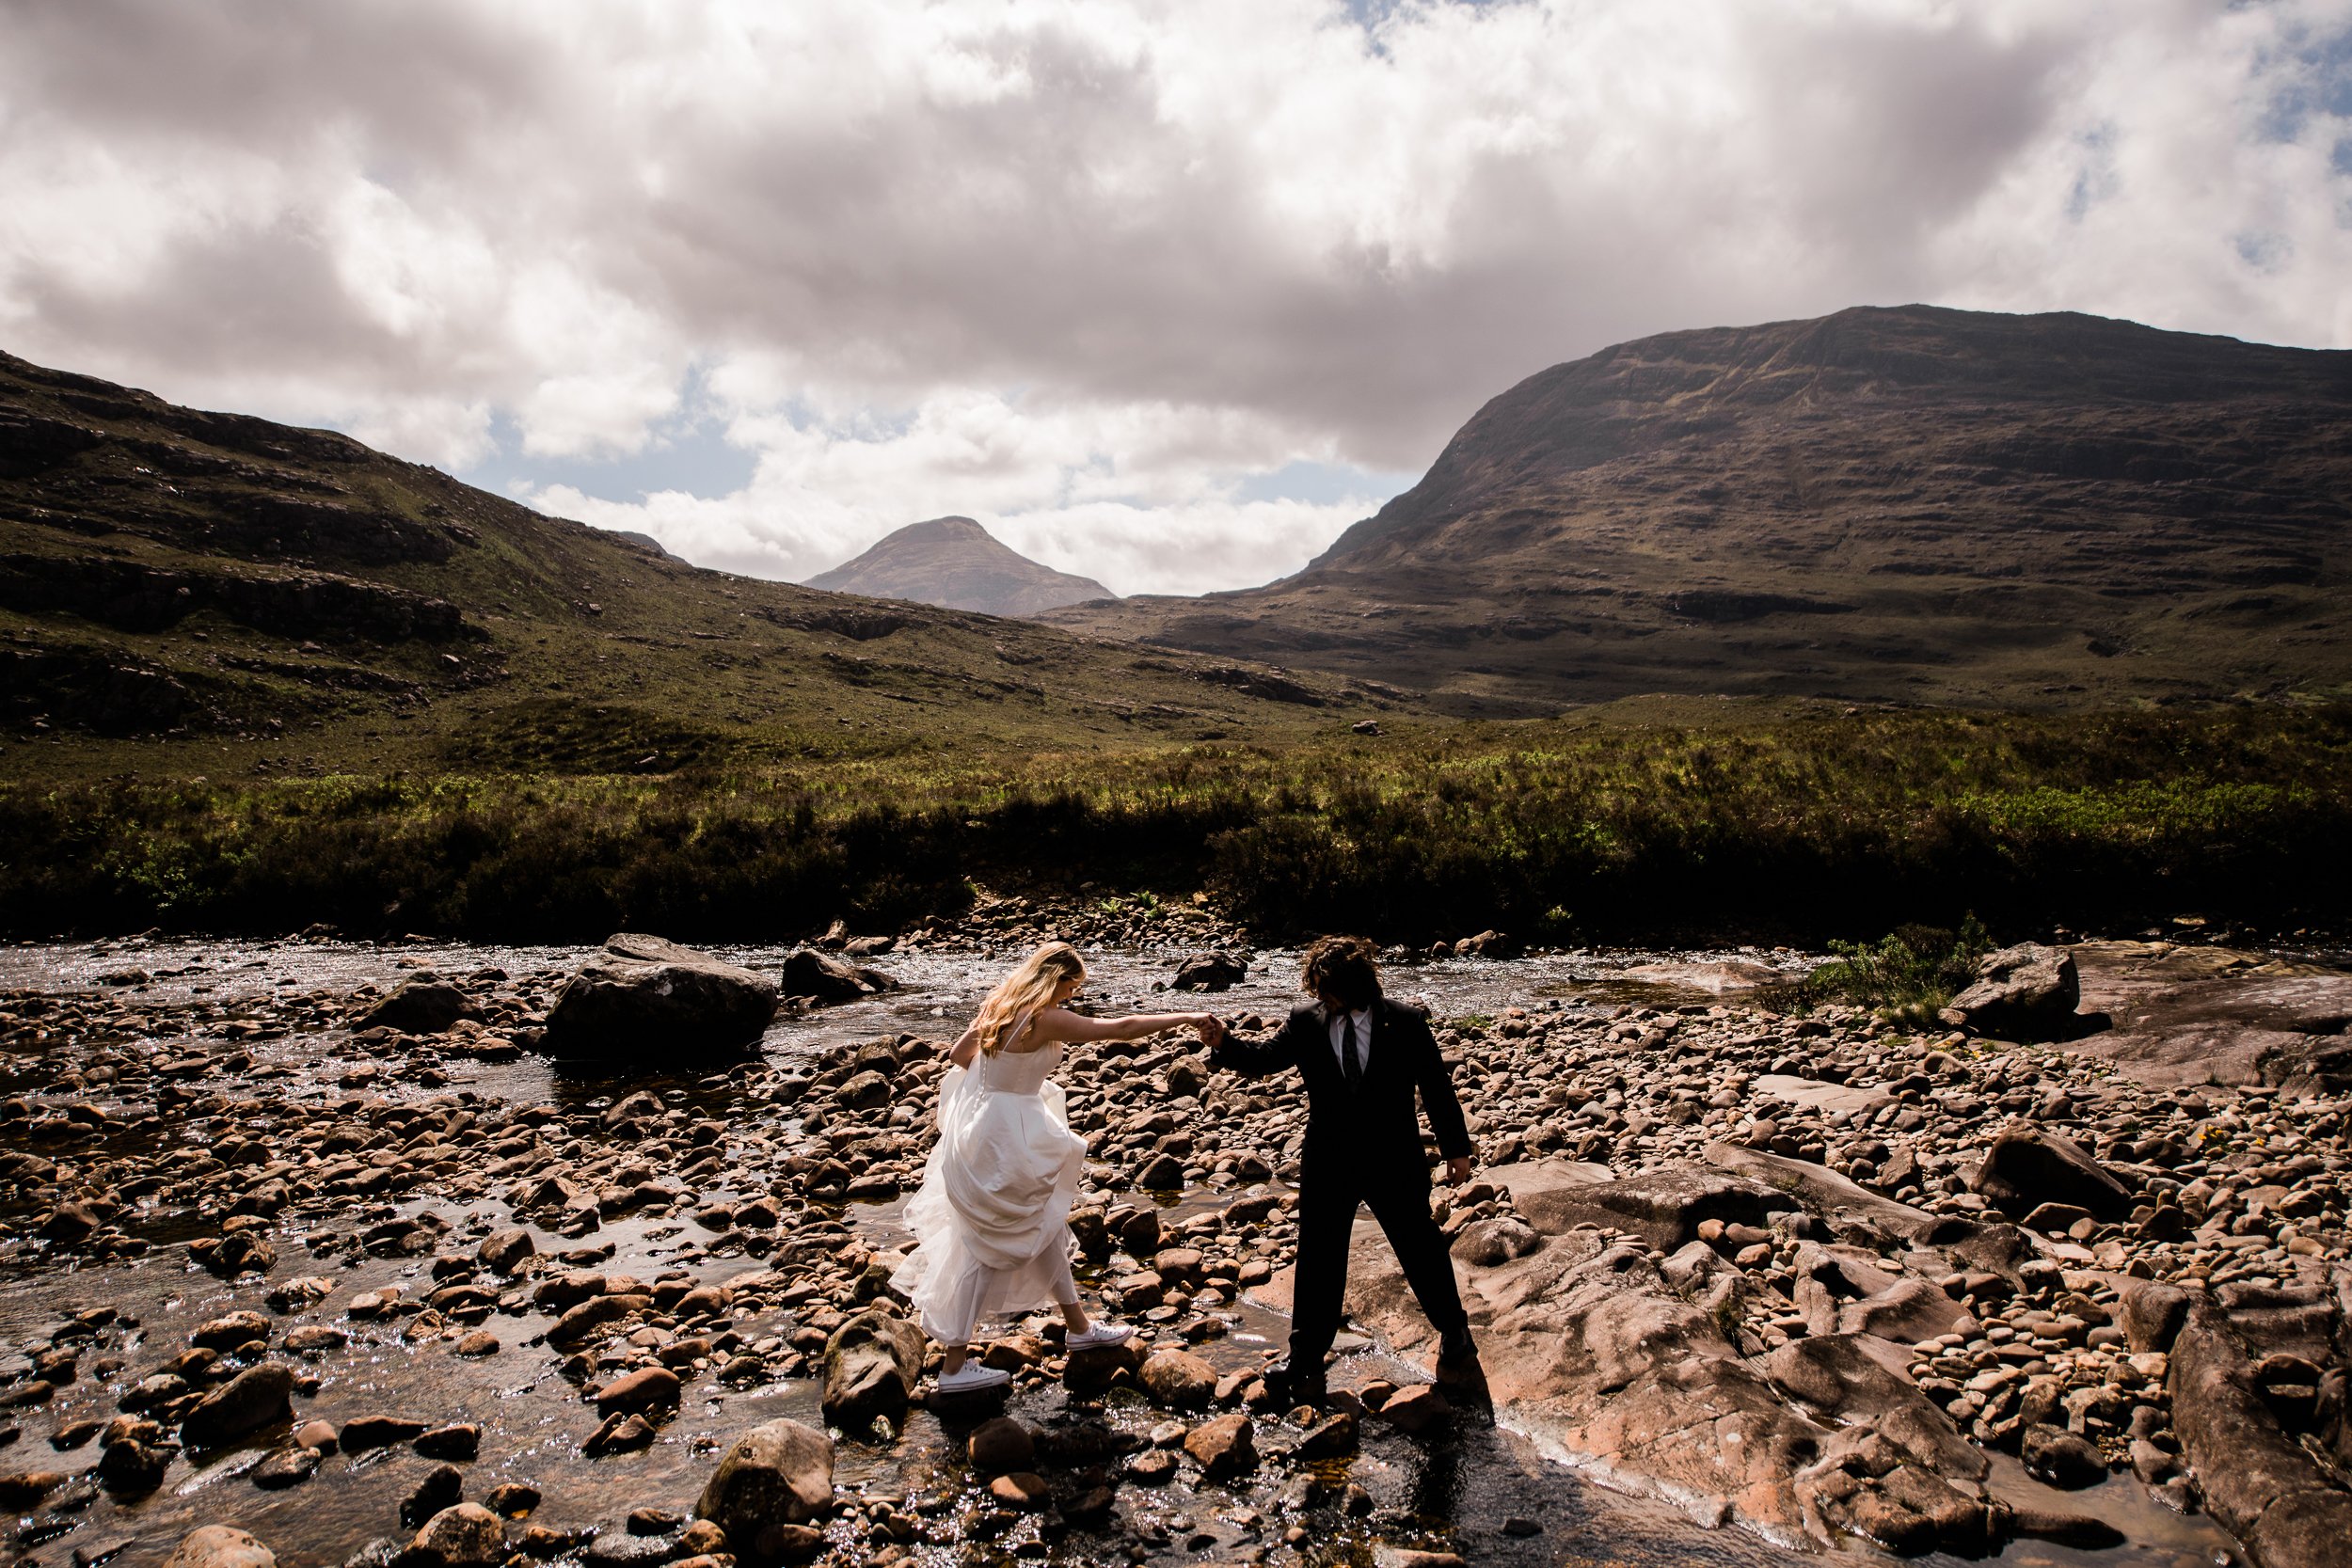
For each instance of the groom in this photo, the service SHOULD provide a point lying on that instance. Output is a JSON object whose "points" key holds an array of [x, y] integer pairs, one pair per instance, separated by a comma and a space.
{"points": [[1361, 1057]]}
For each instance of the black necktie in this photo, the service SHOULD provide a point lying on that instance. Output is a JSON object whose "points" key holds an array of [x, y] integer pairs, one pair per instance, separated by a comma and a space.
{"points": [[1349, 1060]]}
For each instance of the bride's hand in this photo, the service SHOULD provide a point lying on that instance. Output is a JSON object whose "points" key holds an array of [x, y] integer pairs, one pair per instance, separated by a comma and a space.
{"points": [[1211, 1028]]}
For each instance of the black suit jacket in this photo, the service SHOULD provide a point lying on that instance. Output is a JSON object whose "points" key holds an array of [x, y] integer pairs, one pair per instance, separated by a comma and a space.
{"points": [[1373, 1129]]}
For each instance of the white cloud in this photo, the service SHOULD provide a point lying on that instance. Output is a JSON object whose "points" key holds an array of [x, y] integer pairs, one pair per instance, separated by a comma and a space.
{"points": [[1142, 498], [1081, 267]]}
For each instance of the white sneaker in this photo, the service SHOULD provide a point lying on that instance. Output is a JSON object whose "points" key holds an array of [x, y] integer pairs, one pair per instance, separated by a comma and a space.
{"points": [[971, 1378], [1101, 1337]]}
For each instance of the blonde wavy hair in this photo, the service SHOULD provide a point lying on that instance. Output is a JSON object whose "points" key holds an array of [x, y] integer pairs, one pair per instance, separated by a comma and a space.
{"points": [[1024, 991]]}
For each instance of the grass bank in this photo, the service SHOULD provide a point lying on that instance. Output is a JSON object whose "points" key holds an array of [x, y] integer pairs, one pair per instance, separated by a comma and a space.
{"points": [[1791, 826]]}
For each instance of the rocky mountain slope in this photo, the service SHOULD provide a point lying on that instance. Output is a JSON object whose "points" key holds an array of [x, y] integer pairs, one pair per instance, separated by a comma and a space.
{"points": [[255, 598], [955, 563], [1914, 504]]}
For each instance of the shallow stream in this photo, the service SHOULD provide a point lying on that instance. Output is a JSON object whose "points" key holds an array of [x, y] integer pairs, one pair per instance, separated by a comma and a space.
{"points": [[1453, 1494]]}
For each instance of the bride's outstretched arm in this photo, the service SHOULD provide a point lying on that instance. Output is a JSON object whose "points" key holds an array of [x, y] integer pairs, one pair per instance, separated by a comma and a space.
{"points": [[966, 1048], [1060, 1024]]}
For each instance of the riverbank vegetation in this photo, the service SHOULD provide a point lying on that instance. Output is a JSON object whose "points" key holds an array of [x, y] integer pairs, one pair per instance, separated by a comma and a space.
{"points": [[1788, 826], [1906, 975]]}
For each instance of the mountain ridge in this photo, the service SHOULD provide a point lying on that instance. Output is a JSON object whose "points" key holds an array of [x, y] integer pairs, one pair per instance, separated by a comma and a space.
{"points": [[1910, 503]]}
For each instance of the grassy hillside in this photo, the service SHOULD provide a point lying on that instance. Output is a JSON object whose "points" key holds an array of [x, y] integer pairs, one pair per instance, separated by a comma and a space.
{"points": [[188, 592]]}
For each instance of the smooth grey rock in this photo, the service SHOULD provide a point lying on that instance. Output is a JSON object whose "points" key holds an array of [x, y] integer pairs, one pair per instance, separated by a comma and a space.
{"points": [[775, 1476], [2029, 1166], [420, 1008], [2026, 992], [648, 1002], [821, 978], [871, 1364]]}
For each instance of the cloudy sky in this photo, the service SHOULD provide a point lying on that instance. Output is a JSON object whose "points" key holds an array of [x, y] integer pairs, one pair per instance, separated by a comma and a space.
{"points": [[1163, 292]]}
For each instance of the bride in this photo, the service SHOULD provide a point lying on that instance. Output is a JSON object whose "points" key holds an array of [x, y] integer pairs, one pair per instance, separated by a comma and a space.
{"points": [[992, 1219]]}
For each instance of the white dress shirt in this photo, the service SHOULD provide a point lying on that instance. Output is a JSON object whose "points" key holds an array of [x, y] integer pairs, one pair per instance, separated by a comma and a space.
{"points": [[1363, 1038]]}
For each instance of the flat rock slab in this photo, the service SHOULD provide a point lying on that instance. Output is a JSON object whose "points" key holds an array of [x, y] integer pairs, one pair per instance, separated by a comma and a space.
{"points": [[1593, 1352], [2255, 1479], [1664, 1205], [1709, 977], [1838, 1200], [2195, 1015], [1814, 1095]]}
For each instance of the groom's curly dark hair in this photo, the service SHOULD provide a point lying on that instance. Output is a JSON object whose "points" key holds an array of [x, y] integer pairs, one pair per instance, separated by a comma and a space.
{"points": [[1342, 967]]}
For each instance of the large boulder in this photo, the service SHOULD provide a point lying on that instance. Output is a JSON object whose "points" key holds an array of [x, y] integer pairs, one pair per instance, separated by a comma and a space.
{"points": [[1855, 1383], [256, 1397], [2026, 993], [771, 1482], [648, 1000], [2150, 1314], [814, 976], [420, 1008], [871, 1364], [2027, 1166], [1904, 1312]]}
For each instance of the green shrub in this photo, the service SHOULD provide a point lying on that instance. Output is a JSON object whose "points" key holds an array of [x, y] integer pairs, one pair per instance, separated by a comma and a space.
{"points": [[1907, 975], [1784, 829]]}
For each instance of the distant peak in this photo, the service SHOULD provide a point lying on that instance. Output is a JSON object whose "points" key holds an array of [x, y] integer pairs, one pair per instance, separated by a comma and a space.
{"points": [[941, 530], [955, 563]]}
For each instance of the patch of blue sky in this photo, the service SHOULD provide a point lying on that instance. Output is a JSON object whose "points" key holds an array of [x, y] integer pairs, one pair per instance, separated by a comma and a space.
{"points": [[2319, 66], [1323, 483], [2263, 251], [687, 454], [1371, 15], [2096, 179]]}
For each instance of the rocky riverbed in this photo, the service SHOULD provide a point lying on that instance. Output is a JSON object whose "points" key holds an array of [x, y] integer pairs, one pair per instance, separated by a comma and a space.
{"points": [[383, 1285]]}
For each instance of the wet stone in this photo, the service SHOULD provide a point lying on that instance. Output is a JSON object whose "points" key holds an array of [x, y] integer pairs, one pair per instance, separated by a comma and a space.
{"points": [[286, 1467], [464, 1536], [458, 1440], [442, 1487], [1223, 1447], [254, 1399], [511, 1500], [220, 1547], [377, 1432], [1001, 1445]]}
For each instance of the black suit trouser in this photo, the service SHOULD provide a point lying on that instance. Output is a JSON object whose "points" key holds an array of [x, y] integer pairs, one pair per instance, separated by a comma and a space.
{"points": [[1327, 1215]]}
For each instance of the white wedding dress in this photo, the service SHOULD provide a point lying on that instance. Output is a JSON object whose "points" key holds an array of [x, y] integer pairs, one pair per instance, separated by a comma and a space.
{"points": [[992, 1219]]}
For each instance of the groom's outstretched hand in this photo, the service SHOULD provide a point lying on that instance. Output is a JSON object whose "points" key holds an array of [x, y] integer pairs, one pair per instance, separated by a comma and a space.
{"points": [[1457, 1170], [1211, 1030]]}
